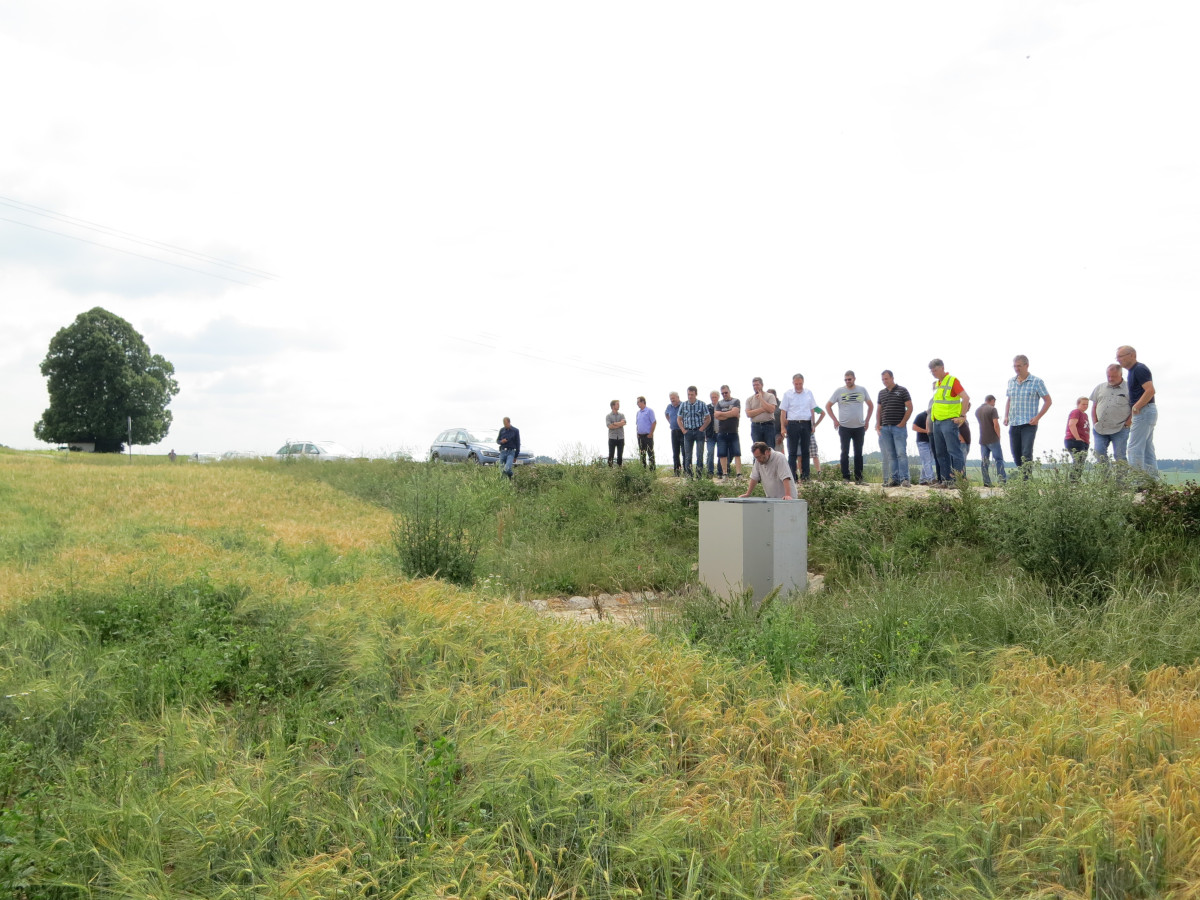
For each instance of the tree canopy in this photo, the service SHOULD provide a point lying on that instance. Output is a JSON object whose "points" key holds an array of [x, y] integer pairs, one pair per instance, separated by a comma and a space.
{"points": [[100, 372]]}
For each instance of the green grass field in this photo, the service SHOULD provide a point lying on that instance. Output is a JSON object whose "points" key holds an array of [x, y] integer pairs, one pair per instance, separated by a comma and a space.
{"points": [[218, 681]]}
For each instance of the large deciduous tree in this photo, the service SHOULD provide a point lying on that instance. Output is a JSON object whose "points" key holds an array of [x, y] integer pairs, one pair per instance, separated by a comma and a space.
{"points": [[101, 373]]}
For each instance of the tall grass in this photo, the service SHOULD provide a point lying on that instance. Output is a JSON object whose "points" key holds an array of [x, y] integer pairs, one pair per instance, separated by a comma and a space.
{"points": [[267, 730]]}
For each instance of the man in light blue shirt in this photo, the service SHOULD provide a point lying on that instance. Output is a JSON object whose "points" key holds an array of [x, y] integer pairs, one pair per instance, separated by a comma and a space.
{"points": [[645, 424], [1021, 413]]}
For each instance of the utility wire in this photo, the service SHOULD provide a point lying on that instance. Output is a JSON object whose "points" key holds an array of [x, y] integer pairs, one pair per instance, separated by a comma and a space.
{"points": [[113, 232], [130, 252]]}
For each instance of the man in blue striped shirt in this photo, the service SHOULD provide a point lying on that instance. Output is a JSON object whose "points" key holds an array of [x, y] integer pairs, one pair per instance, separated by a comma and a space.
{"points": [[693, 419], [1021, 409]]}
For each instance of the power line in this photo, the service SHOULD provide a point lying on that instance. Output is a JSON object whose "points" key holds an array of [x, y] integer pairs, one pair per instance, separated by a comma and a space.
{"points": [[21, 206], [130, 252]]}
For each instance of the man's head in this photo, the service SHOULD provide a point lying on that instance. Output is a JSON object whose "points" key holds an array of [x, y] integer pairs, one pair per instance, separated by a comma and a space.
{"points": [[641, 402], [1113, 372], [937, 368], [761, 451], [725, 392], [849, 378], [1021, 365], [888, 381], [990, 398], [507, 422], [1082, 404], [1127, 356], [757, 384], [614, 405], [674, 398], [798, 382], [691, 393], [714, 396]]}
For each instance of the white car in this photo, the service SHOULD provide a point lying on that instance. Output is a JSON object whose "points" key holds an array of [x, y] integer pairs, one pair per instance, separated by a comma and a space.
{"points": [[241, 454], [326, 450]]}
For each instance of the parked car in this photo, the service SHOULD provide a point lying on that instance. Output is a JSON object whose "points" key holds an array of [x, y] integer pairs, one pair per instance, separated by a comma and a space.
{"points": [[476, 445], [324, 450], [241, 454]]}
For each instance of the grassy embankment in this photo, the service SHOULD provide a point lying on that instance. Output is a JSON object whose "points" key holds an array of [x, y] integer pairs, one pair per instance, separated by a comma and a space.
{"points": [[217, 683]]}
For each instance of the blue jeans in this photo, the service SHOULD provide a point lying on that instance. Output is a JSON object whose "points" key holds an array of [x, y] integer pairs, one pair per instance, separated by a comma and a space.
{"points": [[925, 448], [893, 444], [1119, 441], [1020, 441], [948, 449], [507, 457], [710, 443], [729, 447], [1141, 439], [997, 453], [693, 441], [763, 431]]}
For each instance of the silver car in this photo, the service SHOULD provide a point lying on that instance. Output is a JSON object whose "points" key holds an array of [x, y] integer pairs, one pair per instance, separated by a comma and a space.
{"points": [[323, 450], [474, 445]]}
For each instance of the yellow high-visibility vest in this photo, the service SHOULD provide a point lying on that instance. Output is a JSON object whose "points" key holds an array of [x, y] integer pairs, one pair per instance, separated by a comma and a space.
{"points": [[944, 406]]}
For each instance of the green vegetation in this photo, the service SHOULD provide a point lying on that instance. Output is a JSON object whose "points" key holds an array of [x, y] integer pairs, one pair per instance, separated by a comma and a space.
{"points": [[215, 681]]}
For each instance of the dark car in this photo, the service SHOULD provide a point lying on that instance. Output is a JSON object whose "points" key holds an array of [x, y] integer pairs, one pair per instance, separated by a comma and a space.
{"points": [[472, 445]]}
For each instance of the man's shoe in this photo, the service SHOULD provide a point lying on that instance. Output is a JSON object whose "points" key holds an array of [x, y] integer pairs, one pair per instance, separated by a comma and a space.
{"points": [[905, 483]]}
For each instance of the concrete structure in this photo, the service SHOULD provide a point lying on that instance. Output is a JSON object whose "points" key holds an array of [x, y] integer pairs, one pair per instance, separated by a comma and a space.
{"points": [[753, 543]]}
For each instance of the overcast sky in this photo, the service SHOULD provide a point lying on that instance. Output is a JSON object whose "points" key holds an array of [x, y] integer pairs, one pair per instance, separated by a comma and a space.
{"points": [[370, 222]]}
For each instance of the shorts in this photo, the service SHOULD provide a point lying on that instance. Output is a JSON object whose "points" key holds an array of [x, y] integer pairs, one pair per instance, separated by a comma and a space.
{"points": [[812, 445], [728, 445]]}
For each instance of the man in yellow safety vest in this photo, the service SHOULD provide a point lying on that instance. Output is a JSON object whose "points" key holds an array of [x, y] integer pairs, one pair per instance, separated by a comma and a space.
{"points": [[947, 411]]}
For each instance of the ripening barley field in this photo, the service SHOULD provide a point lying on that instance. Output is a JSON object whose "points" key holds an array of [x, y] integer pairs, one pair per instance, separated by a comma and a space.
{"points": [[217, 681]]}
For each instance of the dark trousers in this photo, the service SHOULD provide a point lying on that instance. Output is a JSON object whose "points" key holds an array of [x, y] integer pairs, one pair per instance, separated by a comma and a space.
{"points": [[1020, 441], [646, 447], [676, 448], [616, 445], [799, 442], [852, 436], [693, 441]]}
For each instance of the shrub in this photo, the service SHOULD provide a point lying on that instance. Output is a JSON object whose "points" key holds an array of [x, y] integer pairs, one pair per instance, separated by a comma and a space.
{"points": [[1067, 530]]}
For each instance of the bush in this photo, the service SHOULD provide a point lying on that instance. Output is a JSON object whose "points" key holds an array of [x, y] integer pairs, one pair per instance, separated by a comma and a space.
{"points": [[431, 532], [1067, 530]]}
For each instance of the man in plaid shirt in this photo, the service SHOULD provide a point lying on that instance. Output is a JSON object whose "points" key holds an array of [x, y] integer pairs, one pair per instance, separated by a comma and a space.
{"points": [[693, 419], [1021, 413]]}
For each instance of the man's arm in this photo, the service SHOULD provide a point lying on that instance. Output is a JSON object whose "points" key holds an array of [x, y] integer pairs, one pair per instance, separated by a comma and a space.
{"points": [[1148, 387], [1046, 401], [750, 489], [819, 421], [966, 404], [870, 409], [752, 407], [1007, 403], [907, 412], [787, 488], [769, 407]]}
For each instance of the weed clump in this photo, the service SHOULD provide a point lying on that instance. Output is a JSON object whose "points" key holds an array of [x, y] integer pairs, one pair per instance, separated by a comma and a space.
{"points": [[431, 532], [1069, 532]]}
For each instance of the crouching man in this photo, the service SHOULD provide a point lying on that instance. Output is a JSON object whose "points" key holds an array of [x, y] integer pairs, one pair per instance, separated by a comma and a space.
{"points": [[771, 468]]}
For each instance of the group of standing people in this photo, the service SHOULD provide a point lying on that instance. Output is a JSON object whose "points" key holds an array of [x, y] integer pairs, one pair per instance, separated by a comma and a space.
{"points": [[1123, 417]]}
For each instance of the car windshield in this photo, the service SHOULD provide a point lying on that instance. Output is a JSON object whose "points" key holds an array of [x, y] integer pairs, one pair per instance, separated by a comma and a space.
{"points": [[477, 436]]}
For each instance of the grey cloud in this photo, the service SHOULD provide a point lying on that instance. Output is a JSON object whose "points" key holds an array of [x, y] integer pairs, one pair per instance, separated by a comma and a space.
{"points": [[86, 263], [226, 342]]}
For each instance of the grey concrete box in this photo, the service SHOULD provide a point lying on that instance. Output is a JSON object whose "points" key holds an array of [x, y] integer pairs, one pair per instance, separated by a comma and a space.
{"points": [[753, 543]]}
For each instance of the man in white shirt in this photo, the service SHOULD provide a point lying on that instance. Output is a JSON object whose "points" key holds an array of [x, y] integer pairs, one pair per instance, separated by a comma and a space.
{"points": [[795, 420]]}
